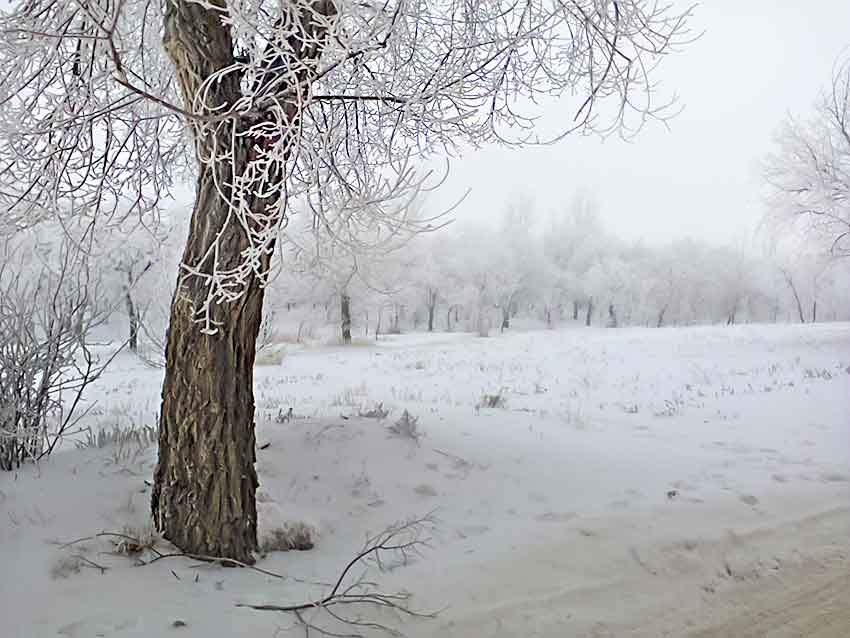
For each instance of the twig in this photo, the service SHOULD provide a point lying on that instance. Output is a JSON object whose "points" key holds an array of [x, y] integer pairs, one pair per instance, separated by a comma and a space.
{"points": [[91, 563], [158, 555], [401, 539], [308, 626]]}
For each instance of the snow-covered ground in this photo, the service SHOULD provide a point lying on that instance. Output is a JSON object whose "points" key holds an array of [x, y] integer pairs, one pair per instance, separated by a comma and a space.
{"points": [[632, 482]]}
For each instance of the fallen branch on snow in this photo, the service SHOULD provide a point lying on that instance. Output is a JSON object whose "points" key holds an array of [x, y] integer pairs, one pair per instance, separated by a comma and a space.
{"points": [[401, 541]]}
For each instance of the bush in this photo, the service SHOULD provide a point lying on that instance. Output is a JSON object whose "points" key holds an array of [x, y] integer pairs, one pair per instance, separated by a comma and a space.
{"points": [[46, 314]]}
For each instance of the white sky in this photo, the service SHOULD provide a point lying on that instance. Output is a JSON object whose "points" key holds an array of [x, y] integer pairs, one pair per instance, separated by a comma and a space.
{"points": [[757, 61]]}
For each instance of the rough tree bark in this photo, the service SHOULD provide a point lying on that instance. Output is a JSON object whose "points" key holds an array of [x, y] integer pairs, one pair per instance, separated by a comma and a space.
{"points": [[345, 313], [204, 494]]}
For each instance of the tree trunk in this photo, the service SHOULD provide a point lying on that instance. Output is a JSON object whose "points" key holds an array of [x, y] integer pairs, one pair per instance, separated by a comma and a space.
{"points": [[432, 307], [793, 288], [345, 313], [612, 316], [482, 324], [205, 483], [661, 314], [395, 327], [204, 493], [814, 311], [449, 319], [506, 318], [131, 312], [576, 306], [589, 314]]}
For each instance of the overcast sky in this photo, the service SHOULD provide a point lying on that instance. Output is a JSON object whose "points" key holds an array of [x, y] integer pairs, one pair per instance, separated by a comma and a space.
{"points": [[757, 61]]}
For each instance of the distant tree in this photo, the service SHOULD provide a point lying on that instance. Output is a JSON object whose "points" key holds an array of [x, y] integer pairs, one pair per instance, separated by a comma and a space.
{"points": [[329, 263], [571, 243], [130, 250], [809, 172], [516, 268], [808, 276], [429, 273], [608, 279]]}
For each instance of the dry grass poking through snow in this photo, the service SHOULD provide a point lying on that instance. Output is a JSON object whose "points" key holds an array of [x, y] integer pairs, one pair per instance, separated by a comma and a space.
{"points": [[594, 457], [290, 536]]}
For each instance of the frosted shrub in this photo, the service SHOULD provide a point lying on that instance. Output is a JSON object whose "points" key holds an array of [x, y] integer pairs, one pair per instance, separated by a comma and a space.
{"points": [[46, 315]]}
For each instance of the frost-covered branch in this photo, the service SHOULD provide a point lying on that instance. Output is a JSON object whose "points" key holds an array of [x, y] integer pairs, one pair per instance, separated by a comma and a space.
{"points": [[334, 104]]}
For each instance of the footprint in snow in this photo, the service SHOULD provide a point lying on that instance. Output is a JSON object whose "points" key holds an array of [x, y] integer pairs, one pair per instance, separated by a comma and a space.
{"points": [[95, 628], [472, 530], [748, 499], [555, 517], [425, 490], [834, 477]]}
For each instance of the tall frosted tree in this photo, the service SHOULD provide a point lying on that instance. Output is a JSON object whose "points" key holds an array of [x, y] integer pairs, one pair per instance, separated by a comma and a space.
{"points": [[333, 104]]}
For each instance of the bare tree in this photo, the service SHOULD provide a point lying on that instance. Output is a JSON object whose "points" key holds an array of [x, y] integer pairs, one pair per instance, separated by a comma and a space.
{"points": [[131, 259], [342, 262], [326, 102], [789, 279], [809, 174], [431, 297]]}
